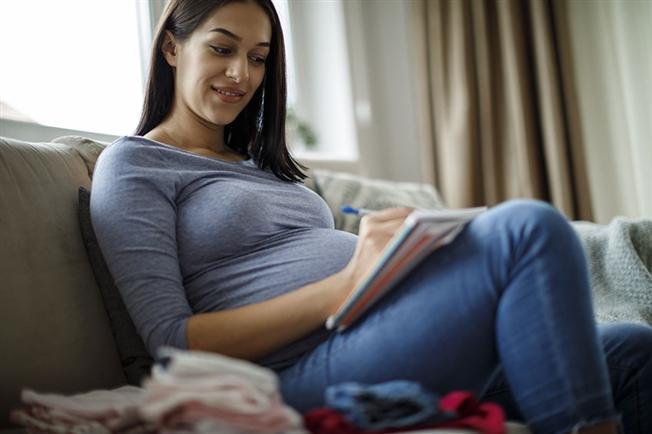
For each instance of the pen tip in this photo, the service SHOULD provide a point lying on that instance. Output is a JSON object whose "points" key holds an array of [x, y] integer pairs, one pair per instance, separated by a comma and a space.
{"points": [[347, 209]]}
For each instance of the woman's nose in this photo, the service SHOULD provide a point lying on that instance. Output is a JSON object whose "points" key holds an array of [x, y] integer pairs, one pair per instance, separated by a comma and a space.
{"points": [[238, 70]]}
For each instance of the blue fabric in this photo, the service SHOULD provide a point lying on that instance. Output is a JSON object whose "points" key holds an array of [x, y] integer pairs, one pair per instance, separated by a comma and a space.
{"points": [[511, 292], [183, 234], [393, 404]]}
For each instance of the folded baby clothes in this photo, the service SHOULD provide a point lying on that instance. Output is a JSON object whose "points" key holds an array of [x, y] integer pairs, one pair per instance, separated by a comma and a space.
{"points": [[201, 418], [190, 392], [393, 404], [201, 392], [42, 424], [98, 411], [484, 417], [199, 365], [328, 421], [458, 409]]}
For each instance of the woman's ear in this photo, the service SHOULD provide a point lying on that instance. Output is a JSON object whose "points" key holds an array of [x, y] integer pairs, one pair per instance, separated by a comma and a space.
{"points": [[169, 49]]}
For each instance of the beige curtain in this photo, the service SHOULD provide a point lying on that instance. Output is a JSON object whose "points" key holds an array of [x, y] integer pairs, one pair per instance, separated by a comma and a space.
{"points": [[503, 106]]}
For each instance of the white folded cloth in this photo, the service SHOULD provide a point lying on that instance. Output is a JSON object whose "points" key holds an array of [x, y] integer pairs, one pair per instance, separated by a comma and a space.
{"points": [[215, 393], [202, 364], [196, 392], [98, 411]]}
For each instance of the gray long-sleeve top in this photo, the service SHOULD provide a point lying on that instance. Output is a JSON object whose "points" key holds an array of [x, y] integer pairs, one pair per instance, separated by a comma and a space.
{"points": [[183, 233]]}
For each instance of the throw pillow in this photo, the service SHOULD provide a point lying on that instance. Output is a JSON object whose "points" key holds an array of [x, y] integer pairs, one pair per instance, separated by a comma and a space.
{"points": [[338, 188], [136, 362]]}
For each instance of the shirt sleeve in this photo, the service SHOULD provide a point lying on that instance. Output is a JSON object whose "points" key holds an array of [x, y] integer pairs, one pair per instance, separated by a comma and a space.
{"points": [[133, 212]]}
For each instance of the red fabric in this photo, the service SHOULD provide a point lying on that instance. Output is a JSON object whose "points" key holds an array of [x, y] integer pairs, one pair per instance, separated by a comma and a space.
{"points": [[328, 421], [486, 418]]}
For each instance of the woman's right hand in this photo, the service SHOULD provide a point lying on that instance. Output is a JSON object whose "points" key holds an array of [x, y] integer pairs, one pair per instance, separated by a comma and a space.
{"points": [[376, 229]]}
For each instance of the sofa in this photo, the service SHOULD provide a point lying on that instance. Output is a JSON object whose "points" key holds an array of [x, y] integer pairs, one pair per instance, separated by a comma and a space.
{"points": [[57, 333]]}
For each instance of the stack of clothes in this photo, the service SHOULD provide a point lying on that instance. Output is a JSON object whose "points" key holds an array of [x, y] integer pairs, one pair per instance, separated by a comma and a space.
{"points": [[199, 392], [190, 392], [194, 392], [400, 406]]}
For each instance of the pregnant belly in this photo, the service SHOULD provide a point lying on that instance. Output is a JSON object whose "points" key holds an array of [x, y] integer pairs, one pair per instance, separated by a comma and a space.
{"points": [[284, 265]]}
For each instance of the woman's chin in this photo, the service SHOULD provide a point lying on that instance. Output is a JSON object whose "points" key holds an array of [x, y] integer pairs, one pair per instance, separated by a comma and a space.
{"points": [[221, 118]]}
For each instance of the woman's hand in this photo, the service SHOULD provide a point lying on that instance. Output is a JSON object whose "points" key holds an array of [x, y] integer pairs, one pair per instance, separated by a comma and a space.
{"points": [[376, 229]]}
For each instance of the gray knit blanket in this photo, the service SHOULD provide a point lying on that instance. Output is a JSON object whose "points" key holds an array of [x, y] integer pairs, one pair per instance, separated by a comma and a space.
{"points": [[620, 261]]}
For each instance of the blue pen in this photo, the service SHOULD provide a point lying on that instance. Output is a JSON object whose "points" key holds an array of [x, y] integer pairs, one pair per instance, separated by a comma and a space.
{"points": [[348, 209]]}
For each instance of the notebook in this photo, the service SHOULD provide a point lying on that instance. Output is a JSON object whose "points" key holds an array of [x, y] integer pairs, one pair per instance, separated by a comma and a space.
{"points": [[422, 232]]}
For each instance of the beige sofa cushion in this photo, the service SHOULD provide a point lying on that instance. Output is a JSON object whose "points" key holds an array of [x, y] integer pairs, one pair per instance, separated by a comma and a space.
{"points": [[55, 334]]}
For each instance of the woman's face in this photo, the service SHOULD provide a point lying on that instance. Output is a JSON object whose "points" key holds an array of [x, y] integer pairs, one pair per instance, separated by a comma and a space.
{"points": [[224, 54]]}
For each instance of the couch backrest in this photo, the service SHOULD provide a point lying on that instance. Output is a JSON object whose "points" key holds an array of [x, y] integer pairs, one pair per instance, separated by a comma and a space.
{"points": [[55, 334]]}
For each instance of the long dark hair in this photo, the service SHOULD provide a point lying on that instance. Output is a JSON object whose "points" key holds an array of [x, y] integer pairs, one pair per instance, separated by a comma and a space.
{"points": [[259, 130]]}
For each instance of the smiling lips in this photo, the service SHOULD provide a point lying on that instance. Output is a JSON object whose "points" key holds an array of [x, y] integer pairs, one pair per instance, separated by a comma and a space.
{"points": [[229, 94]]}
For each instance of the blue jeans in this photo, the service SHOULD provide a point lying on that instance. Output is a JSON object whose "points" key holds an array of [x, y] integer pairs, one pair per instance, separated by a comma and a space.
{"points": [[508, 302], [628, 350]]}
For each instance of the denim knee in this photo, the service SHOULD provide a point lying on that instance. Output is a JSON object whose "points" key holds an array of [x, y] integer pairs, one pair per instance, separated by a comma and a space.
{"points": [[533, 216]]}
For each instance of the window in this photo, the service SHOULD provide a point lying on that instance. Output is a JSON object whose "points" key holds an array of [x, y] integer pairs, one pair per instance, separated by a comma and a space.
{"points": [[72, 64], [319, 80]]}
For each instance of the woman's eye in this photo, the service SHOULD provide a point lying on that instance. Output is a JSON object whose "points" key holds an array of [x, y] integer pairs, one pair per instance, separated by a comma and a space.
{"points": [[220, 50], [227, 51]]}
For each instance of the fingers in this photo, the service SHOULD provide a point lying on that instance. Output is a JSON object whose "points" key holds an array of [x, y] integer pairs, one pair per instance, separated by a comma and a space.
{"points": [[388, 214], [383, 223], [388, 227]]}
